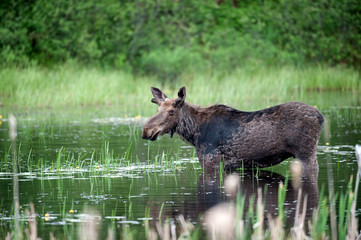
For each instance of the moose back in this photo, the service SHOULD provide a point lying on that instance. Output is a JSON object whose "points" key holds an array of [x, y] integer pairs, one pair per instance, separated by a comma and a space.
{"points": [[236, 138]]}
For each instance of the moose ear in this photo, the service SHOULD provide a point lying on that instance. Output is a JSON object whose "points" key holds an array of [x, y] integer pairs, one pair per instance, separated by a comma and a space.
{"points": [[159, 96], [181, 97]]}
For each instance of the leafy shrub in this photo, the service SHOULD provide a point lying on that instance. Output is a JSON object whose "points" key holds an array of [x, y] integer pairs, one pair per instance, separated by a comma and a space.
{"points": [[160, 37], [169, 64]]}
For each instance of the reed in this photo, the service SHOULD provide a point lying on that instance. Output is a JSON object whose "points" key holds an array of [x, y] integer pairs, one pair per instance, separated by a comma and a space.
{"points": [[282, 189], [74, 86]]}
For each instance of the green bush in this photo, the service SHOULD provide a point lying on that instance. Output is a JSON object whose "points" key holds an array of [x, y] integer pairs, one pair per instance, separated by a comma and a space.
{"points": [[160, 36], [170, 64]]}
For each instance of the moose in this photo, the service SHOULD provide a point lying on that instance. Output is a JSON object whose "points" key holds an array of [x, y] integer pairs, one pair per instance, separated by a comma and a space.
{"points": [[234, 138]]}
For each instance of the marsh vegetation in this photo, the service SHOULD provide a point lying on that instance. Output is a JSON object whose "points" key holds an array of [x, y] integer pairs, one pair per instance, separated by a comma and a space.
{"points": [[81, 168], [76, 75]]}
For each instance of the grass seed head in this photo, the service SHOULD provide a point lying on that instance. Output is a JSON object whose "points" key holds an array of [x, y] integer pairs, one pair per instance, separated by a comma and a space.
{"points": [[296, 171], [231, 184]]}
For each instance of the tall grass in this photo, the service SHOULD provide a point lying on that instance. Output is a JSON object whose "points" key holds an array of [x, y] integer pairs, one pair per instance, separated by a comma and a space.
{"points": [[256, 86], [69, 86]]}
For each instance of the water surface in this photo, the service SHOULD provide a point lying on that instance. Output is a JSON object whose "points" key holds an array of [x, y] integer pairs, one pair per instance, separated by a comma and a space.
{"points": [[64, 169]]}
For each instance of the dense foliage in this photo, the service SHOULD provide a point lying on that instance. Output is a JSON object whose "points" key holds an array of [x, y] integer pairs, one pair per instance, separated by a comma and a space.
{"points": [[165, 37]]}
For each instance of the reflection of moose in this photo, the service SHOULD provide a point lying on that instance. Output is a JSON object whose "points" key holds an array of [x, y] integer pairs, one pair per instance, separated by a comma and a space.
{"points": [[236, 138], [269, 184], [211, 192]]}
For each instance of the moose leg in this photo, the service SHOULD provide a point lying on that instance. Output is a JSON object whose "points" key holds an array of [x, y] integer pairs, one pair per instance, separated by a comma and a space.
{"points": [[303, 145], [210, 160], [306, 153]]}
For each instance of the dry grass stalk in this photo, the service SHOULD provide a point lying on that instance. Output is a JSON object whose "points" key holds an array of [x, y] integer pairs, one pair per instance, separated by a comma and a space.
{"points": [[275, 227], [259, 234], [33, 234], [12, 127], [220, 221], [89, 230], [51, 235], [111, 235], [314, 219], [152, 235], [298, 230], [159, 229], [231, 185], [167, 231], [187, 228], [296, 172], [16, 195], [352, 231]]}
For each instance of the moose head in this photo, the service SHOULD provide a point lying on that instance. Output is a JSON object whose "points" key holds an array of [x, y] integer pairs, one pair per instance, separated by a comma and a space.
{"points": [[166, 120]]}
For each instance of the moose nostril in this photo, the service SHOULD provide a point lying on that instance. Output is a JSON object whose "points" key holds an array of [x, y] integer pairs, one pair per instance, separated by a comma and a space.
{"points": [[146, 134], [143, 135]]}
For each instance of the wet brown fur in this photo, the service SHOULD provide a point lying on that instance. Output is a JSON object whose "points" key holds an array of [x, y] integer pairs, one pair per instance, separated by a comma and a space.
{"points": [[239, 139]]}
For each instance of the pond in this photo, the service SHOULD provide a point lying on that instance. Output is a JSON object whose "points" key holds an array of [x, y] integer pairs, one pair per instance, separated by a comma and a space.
{"points": [[74, 167]]}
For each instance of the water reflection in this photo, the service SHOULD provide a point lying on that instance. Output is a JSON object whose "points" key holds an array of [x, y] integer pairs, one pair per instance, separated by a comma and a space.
{"points": [[213, 189]]}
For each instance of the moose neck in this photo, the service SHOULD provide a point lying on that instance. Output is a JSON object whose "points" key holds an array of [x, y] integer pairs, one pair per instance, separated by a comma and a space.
{"points": [[189, 123]]}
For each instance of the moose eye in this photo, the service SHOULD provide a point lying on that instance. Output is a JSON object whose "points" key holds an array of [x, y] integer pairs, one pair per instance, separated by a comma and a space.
{"points": [[171, 112]]}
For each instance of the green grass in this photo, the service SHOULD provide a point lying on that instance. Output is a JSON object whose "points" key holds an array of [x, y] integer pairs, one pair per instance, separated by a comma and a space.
{"points": [[249, 87], [101, 162]]}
